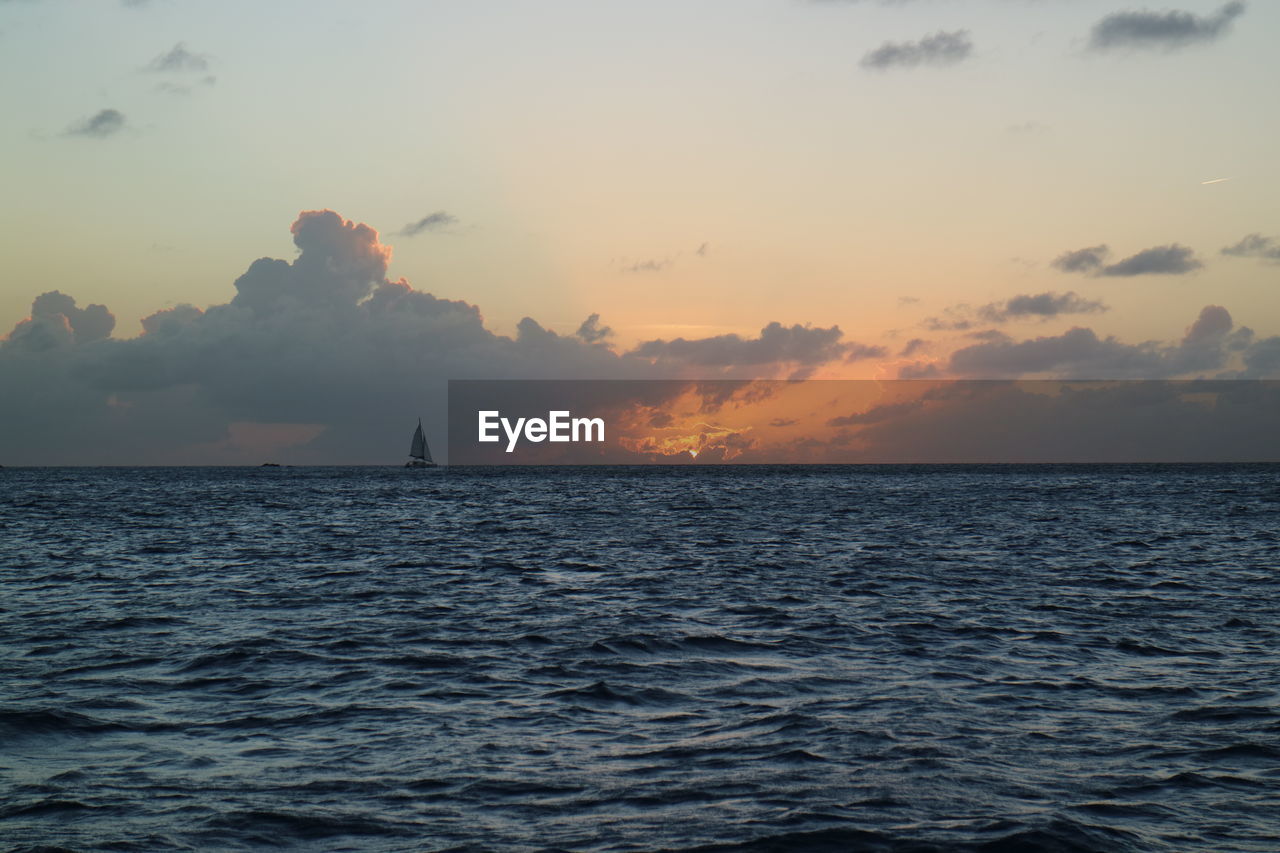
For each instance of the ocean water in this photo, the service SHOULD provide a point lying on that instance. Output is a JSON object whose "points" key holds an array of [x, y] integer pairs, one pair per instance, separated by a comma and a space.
{"points": [[1061, 658]]}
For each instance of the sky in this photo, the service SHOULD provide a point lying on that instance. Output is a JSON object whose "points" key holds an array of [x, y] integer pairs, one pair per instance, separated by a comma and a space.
{"points": [[867, 189]]}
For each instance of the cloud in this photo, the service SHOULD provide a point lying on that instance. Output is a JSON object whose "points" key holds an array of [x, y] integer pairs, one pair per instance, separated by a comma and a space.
{"points": [[777, 345], [591, 331], [859, 352], [1161, 260], [1255, 246], [438, 221], [1088, 260], [55, 321], [1161, 30], [324, 349], [989, 335], [1044, 306], [1080, 354], [651, 265], [179, 60], [877, 414], [1262, 360], [1158, 260], [939, 49], [913, 346], [100, 125], [325, 339], [955, 318], [1096, 422], [323, 359]]}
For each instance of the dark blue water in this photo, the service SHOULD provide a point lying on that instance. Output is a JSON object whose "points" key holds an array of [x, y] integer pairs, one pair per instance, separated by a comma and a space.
{"points": [[880, 659]]}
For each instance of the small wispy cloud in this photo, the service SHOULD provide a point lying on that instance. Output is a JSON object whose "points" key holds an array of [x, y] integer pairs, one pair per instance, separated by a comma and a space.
{"points": [[179, 60], [650, 265], [100, 125], [438, 221], [939, 49]]}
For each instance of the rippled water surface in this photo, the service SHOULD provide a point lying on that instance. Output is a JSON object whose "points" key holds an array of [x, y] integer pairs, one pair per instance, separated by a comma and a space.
{"points": [[888, 659]]}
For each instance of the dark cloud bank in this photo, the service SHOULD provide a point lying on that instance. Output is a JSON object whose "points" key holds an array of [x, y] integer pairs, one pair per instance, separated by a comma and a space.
{"points": [[324, 360], [438, 221], [1205, 350], [325, 342]]}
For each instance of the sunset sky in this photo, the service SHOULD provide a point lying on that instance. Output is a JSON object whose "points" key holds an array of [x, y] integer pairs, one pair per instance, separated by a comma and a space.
{"points": [[965, 188]]}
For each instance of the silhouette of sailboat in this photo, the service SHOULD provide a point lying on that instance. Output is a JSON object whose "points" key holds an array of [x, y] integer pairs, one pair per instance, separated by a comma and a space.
{"points": [[419, 453]]}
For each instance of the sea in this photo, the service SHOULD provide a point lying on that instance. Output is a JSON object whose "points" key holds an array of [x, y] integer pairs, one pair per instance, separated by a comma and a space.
{"points": [[899, 659]]}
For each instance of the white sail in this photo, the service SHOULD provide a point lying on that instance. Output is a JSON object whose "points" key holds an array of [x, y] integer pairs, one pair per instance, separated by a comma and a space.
{"points": [[418, 449]]}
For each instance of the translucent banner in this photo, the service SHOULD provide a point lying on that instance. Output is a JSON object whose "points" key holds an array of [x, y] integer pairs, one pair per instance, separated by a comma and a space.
{"points": [[676, 422]]}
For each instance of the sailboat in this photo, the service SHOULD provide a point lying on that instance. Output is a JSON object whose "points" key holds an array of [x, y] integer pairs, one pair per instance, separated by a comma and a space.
{"points": [[419, 453]]}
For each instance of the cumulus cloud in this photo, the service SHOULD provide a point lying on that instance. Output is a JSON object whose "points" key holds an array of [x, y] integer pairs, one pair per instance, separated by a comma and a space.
{"points": [[1262, 360], [325, 359], [1173, 259], [1161, 30], [939, 49], [1255, 246], [100, 125], [325, 343], [55, 321], [438, 221], [179, 60]]}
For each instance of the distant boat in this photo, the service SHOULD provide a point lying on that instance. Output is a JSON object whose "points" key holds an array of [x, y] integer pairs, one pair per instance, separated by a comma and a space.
{"points": [[419, 453]]}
